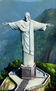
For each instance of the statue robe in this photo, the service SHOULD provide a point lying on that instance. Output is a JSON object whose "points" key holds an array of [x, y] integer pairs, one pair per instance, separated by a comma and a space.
{"points": [[27, 29]]}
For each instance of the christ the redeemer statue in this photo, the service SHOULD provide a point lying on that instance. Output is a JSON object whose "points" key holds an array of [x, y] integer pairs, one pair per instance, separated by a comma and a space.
{"points": [[27, 28]]}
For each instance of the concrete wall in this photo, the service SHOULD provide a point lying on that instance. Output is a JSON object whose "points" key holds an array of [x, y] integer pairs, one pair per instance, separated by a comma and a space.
{"points": [[42, 87]]}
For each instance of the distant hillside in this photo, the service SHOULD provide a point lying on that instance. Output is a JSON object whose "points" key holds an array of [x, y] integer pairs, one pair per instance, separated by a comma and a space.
{"points": [[45, 42], [48, 16]]}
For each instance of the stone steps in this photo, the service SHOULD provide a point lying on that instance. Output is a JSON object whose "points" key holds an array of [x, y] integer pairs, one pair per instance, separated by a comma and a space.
{"points": [[22, 85]]}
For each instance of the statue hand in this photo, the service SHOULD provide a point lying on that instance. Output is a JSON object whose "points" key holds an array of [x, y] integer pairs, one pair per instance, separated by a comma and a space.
{"points": [[50, 25], [5, 23]]}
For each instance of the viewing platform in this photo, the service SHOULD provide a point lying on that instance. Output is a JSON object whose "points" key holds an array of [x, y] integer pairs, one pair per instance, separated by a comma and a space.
{"points": [[31, 84]]}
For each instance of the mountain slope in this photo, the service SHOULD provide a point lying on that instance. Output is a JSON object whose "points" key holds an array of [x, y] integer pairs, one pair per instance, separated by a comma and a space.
{"points": [[48, 16], [46, 41]]}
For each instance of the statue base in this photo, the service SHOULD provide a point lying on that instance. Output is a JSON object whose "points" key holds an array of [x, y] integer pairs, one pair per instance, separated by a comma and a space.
{"points": [[28, 72]]}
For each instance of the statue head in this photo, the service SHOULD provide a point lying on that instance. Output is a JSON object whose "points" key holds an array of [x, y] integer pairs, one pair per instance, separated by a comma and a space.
{"points": [[27, 16]]}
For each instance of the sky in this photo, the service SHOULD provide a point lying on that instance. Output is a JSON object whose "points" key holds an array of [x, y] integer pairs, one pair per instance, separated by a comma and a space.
{"points": [[28, 0]]}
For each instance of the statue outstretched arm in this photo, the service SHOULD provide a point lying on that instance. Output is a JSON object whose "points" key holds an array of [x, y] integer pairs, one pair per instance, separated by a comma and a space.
{"points": [[38, 25], [17, 25], [13, 25]]}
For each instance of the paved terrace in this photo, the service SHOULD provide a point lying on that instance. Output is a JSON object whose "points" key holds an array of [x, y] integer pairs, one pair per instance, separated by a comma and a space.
{"points": [[22, 85]]}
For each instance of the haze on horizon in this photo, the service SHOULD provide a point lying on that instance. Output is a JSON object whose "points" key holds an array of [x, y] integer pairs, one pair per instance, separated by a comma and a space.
{"points": [[29, 0]]}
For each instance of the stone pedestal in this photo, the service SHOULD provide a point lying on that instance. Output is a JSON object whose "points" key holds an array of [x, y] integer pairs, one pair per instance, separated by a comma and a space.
{"points": [[28, 72]]}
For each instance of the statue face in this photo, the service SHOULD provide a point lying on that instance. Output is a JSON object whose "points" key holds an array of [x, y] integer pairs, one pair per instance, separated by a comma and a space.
{"points": [[27, 16]]}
